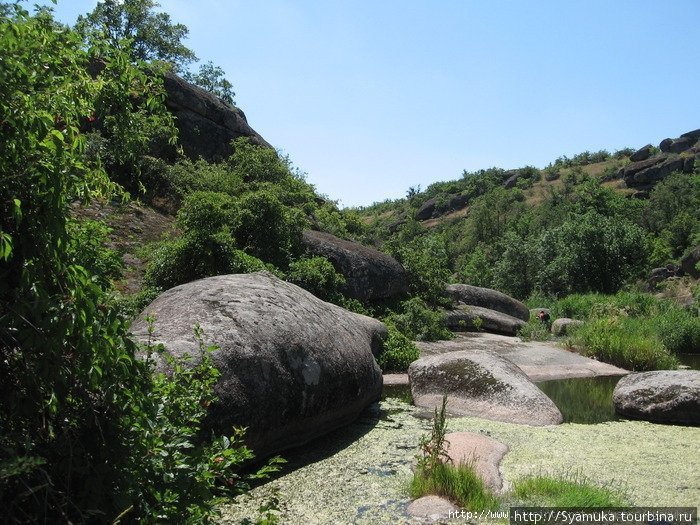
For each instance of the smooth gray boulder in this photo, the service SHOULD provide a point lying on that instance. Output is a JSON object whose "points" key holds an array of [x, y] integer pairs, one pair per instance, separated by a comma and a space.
{"points": [[483, 384], [563, 325], [488, 298], [369, 273], [292, 366], [663, 396], [463, 319]]}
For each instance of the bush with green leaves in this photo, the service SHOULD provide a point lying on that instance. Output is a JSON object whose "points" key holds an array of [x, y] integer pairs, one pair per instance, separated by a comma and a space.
{"points": [[590, 253], [398, 352], [426, 262], [318, 276], [267, 229], [87, 248], [417, 321], [87, 432]]}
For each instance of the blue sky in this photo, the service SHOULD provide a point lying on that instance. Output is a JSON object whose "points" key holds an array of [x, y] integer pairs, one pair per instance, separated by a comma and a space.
{"points": [[372, 97]]}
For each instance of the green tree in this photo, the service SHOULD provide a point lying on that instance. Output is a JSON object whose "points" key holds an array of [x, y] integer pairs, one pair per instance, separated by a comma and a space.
{"points": [[134, 26], [213, 79], [589, 253], [88, 433]]}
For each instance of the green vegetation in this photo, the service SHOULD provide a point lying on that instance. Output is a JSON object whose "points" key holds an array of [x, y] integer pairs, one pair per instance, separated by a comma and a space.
{"points": [[318, 276], [435, 474], [629, 329], [88, 431], [398, 352], [571, 490]]}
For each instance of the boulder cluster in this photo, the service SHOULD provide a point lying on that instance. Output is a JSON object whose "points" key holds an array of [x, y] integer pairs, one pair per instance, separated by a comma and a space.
{"points": [[484, 309], [646, 168]]}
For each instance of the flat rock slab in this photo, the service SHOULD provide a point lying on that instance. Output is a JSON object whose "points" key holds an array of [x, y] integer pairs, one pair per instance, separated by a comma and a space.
{"points": [[395, 379], [484, 453], [664, 396], [482, 384], [540, 361], [432, 508]]}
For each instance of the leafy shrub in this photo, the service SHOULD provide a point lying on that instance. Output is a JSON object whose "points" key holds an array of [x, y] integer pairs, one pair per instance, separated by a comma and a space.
{"points": [[87, 432], [205, 212], [180, 475], [318, 276], [535, 330], [398, 351], [590, 253], [426, 262], [87, 248], [194, 257], [268, 229], [418, 322]]}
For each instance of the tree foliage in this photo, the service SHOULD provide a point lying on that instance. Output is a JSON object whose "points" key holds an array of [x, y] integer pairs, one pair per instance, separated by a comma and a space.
{"points": [[213, 79], [135, 28], [87, 431]]}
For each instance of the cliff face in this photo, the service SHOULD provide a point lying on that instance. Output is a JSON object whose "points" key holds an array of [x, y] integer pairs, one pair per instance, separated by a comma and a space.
{"points": [[206, 124]]}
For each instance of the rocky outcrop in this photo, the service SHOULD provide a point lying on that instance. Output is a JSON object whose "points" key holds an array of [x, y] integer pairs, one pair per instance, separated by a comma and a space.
{"points": [[438, 206], [483, 384], [668, 396], [563, 326], [370, 274], [292, 366], [482, 452], [464, 318], [658, 275], [487, 298], [676, 155], [641, 153], [689, 263], [205, 123]]}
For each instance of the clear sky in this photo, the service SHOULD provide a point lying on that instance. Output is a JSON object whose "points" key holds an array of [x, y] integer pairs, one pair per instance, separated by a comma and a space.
{"points": [[371, 97]]}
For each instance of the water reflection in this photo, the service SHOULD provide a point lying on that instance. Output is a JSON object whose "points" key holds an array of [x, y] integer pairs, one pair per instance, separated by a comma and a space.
{"points": [[583, 400]]}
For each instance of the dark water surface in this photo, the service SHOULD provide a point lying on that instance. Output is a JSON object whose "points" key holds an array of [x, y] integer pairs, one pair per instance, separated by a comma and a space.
{"points": [[583, 400]]}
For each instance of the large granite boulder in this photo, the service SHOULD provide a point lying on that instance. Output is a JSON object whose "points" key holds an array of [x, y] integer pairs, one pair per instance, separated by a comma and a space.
{"points": [[487, 298], [463, 318], [436, 207], [369, 274], [483, 384], [206, 124], [641, 154], [664, 396], [648, 172], [292, 366]]}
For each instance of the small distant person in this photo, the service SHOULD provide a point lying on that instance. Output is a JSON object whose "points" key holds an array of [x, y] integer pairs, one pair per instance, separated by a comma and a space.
{"points": [[544, 317]]}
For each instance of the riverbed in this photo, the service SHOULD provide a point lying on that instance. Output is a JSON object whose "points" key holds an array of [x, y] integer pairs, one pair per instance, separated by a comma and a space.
{"points": [[359, 474]]}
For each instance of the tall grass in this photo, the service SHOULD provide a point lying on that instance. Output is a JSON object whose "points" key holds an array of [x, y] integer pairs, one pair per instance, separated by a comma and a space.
{"points": [[571, 490], [633, 330], [460, 483], [435, 473], [627, 342]]}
